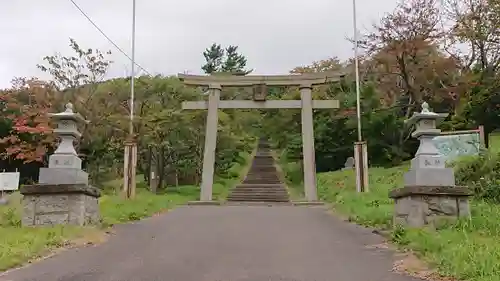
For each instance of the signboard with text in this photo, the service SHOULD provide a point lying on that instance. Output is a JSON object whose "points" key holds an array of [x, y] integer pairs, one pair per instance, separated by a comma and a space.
{"points": [[9, 181], [453, 146]]}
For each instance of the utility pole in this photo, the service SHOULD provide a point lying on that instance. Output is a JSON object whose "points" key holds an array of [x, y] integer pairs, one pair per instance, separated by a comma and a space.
{"points": [[360, 147], [130, 155]]}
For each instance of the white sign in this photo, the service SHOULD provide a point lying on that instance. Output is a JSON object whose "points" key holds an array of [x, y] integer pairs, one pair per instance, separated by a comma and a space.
{"points": [[9, 181]]}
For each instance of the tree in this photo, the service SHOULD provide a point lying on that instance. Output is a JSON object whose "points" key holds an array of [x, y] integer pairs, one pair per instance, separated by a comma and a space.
{"points": [[331, 64], [226, 60], [403, 55], [25, 108], [214, 56], [476, 26], [234, 63]]}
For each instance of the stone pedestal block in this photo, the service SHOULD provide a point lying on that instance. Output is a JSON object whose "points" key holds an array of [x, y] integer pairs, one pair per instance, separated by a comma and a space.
{"points": [[65, 161], [418, 206], [75, 204], [430, 177], [62, 176]]}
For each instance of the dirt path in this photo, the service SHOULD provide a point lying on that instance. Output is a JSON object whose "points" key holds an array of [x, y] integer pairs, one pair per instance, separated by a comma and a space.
{"points": [[231, 243]]}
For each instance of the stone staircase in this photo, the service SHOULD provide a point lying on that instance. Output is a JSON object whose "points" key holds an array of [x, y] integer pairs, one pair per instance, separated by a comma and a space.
{"points": [[262, 183]]}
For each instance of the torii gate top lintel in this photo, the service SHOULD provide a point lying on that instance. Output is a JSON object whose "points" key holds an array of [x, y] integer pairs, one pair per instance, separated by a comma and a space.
{"points": [[269, 80]]}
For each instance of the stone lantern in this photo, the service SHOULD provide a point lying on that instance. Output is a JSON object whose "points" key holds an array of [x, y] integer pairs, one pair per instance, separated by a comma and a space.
{"points": [[62, 195], [429, 193]]}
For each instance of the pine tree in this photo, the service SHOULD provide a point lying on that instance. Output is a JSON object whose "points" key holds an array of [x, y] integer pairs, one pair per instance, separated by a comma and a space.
{"points": [[234, 62], [213, 57], [228, 60]]}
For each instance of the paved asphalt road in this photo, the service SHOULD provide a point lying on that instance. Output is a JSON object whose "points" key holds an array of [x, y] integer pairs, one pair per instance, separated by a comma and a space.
{"points": [[231, 243]]}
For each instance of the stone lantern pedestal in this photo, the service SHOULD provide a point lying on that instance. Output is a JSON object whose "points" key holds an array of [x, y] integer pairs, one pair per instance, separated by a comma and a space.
{"points": [[429, 193], [62, 195]]}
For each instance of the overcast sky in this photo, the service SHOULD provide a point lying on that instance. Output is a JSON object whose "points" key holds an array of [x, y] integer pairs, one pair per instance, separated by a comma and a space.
{"points": [[275, 35]]}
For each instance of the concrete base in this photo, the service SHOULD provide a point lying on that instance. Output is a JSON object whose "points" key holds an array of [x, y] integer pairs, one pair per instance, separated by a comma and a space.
{"points": [[418, 206], [204, 203], [256, 203], [74, 204], [307, 203]]}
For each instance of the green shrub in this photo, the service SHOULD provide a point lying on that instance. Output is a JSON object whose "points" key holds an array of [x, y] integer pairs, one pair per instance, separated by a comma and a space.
{"points": [[9, 217], [481, 174]]}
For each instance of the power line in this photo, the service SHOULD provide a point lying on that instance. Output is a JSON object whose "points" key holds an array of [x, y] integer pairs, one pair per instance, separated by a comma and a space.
{"points": [[107, 37]]}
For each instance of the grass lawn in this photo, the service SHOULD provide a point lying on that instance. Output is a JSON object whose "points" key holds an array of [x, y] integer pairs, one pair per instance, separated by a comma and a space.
{"points": [[20, 244]]}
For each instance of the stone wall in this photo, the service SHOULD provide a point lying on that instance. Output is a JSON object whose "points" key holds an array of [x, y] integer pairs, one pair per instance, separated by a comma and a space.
{"points": [[419, 210]]}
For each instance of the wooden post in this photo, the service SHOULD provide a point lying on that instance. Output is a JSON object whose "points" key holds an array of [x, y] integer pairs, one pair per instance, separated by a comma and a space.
{"points": [[126, 163], [482, 137], [361, 166], [308, 144], [130, 163], [207, 177], [133, 168]]}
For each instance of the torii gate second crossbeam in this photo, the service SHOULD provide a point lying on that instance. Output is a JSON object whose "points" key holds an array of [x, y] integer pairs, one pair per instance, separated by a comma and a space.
{"points": [[305, 83]]}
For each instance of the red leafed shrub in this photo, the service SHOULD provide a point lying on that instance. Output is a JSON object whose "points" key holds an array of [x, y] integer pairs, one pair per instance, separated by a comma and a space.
{"points": [[25, 108]]}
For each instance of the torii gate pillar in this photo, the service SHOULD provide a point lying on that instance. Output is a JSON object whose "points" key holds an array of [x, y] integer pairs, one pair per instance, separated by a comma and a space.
{"points": [[308, 144], [207, 177]]}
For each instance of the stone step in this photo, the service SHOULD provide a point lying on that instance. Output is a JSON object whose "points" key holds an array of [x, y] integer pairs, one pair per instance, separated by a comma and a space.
{"points": [[266, 191], [258, 200], [243, 187], [270, 164], [251, 195], [263, 189], [265, 172], [262, 182], [247, 198], [263, 159], [259, 195], [263, 175], [263, 169], [263, 185], [270, 177], [268, 181], [260, 167], [257, 203], [257, 190], [263, 165]]}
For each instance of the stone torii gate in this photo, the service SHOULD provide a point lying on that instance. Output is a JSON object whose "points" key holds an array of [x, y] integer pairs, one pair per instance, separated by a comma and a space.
{"points": [[305, 82]]}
